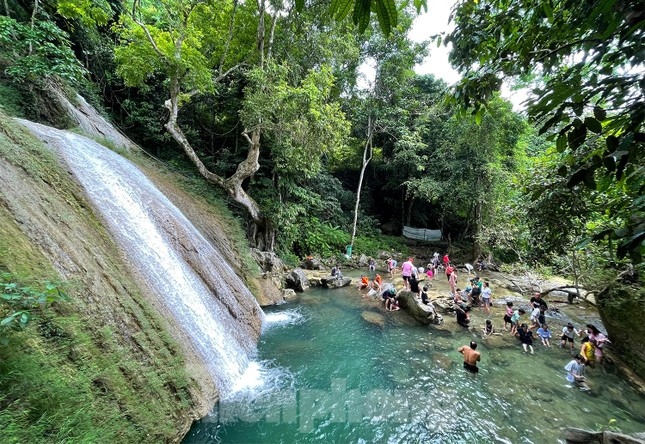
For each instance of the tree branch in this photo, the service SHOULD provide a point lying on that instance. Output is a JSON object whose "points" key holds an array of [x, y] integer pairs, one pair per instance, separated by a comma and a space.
{"points": [[563, 47], [229, 38], [145, 30]]}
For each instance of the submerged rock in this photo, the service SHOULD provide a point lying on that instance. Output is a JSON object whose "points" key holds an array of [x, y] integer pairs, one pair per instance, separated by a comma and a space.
{"points": [[579, 436], [374, 318]]}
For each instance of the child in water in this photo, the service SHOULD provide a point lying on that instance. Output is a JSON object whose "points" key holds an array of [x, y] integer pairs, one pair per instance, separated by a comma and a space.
{"points": [[576, 372], [508, 315], [545, 334], [489, 330], [526, 338]]}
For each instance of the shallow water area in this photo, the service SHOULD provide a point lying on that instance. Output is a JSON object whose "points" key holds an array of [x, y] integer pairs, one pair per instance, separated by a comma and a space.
{"points": [[329, 373]]}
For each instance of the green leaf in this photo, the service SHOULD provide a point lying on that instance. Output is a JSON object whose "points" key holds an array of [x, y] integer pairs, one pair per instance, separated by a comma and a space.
{"points": [[418, 4], [593, 125], [300, 4], [612, 143], [361, 16], [577, 177], [340, 8], [478, 116], [561, 143], [386, 14], [599, 113]]}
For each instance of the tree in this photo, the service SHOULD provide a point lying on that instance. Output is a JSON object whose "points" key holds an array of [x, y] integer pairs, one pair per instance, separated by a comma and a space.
{"points": [[588, 61], [195, 45]]}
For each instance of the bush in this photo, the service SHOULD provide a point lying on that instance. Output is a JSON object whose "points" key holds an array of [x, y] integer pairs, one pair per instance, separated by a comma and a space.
{"points": [[18, 303]]}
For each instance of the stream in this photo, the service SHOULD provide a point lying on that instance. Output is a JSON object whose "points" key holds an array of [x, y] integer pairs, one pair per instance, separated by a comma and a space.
{"points": [[325, 374]]}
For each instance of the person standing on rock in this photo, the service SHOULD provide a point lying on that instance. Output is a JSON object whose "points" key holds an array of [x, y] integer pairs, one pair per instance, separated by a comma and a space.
{"points": [[508, 315], [486, 297], [471, 356], [406, 272], [452, 280], [537, 301], [526, 338]]}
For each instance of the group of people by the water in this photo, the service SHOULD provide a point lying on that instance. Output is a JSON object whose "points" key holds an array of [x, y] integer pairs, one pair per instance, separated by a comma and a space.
{"points": [[478, 293]]}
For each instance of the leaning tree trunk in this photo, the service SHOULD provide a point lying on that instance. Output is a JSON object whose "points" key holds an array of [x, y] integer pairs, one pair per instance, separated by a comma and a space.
{"points": [[263, 232], [367, 156]]}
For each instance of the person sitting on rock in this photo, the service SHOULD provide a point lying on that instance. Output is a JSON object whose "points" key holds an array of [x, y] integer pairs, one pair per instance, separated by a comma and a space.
{"points": [[391, 303], [364, 282], [488, 329], [424, 296], [378, 281]]}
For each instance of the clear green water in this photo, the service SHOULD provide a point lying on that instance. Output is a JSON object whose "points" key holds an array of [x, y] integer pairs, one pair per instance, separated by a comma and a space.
{"points": [[324, 374]]}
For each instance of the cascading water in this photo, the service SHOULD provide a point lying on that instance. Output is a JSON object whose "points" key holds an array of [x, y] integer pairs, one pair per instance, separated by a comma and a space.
{"points": [[172, 259]]}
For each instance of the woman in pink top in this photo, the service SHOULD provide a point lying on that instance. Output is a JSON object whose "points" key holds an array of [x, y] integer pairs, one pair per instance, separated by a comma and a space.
{"points": [[406, 272], [598, 340]]}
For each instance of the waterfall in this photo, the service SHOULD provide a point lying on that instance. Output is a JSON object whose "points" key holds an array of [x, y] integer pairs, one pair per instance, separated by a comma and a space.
{"points": [[186, 274]]}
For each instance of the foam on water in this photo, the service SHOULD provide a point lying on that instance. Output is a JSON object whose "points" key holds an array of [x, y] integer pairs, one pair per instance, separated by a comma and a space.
{"points": [[282, 318]]}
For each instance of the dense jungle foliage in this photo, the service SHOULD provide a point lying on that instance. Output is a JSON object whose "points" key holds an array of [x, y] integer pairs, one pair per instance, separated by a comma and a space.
{"points": [[265, 100], [268, 101]]}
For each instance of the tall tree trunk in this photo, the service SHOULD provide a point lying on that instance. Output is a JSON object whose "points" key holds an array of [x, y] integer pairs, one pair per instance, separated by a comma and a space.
{"points": [[33, 20], [6, 8], [408, 213], [367, 156], [477, 248], [261, 31]]}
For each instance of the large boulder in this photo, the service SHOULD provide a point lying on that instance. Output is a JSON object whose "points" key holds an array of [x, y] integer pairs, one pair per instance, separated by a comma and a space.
{"points": [[362, 261], [419, 311], [315, 277], [297, 280], [334, 282], [313, 263], [268, 261]]}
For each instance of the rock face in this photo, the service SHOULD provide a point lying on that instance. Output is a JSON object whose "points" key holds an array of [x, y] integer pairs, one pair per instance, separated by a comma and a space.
{"points": [[312, 263], [90, 121], [579, 436], [50, 227], [425, 314], [297, 280], [624, 322], [268, 261]]}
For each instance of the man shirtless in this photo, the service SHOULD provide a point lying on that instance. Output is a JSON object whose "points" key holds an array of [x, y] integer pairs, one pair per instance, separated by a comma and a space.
{"points": [[471, 357]]}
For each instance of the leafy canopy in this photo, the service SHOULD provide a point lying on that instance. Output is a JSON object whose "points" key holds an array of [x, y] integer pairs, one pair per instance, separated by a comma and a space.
{"points": [[589, 63]]}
